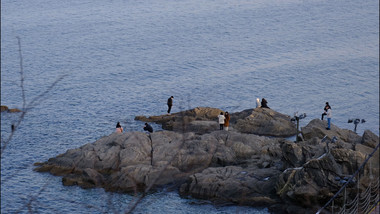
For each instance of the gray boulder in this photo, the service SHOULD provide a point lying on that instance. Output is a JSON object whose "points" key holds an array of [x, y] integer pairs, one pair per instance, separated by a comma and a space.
{"points": [[264, 121], [370, 139], [317, 128], [233, 184]]}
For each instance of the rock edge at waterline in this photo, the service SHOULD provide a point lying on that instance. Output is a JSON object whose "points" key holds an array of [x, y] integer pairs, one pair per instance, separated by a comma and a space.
{"points": [[10, 110]]}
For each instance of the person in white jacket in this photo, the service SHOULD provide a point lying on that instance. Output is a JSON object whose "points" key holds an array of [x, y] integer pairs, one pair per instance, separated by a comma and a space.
{"points": [[221, 118], [328, 115], [258, 103]]}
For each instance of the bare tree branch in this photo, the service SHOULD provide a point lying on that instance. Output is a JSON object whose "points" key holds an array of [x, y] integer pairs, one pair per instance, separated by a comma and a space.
{"points": [[21, 74], [25, 107]]}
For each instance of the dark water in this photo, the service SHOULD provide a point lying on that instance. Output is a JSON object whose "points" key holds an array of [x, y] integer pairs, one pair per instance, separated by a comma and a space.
{"points": [[125, 58]]}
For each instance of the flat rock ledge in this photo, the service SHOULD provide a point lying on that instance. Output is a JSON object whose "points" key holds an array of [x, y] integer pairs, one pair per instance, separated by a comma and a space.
{"points": [[10, 110], [200, 120], [223, 167]]}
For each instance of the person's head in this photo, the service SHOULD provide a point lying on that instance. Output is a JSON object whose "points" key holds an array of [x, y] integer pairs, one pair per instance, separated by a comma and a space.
{"points": [[226, 113], [221, 113], [327, 103], [172, 97], [146, 124], [118, 125]]}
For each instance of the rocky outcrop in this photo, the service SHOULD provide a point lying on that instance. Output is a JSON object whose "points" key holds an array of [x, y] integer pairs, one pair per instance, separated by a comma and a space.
{"points": [[12, 110], [264, 121], [317, 128], [4, 108], [224, 167], [129, 160], [200, 120]]}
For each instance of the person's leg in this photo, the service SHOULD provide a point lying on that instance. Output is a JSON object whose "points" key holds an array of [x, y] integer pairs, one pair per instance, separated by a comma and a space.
{"points": [[323, 115], [169, 108], [328, 123]]}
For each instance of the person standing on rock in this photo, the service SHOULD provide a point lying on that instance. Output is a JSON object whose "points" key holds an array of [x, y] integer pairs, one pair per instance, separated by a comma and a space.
{"points": [[221, 118], [226, 120], [264, 103], [170, 104], [119, 129], [329, 115], [325, 109]]}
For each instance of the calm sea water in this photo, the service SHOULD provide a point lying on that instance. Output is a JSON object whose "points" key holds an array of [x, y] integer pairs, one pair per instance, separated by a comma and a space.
{"points": [[124, 58]]}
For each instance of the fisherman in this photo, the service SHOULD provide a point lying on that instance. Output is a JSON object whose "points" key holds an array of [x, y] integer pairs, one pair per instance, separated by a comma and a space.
{"points": [[170, 104]]}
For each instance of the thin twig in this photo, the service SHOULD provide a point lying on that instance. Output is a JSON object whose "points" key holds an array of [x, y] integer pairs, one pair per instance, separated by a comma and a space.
{"points": [[26, 107], [21, 73]]}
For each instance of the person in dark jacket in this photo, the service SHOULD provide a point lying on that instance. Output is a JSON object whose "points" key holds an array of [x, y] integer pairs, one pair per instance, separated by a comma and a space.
{"points": [[327, 106], [264, 103], [170, 104], [148, 128]]}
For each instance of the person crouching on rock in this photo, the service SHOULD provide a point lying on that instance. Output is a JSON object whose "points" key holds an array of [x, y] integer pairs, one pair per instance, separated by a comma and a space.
{"points": [[226, 120], [119, 129], [221, 120], [148, 128]]}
